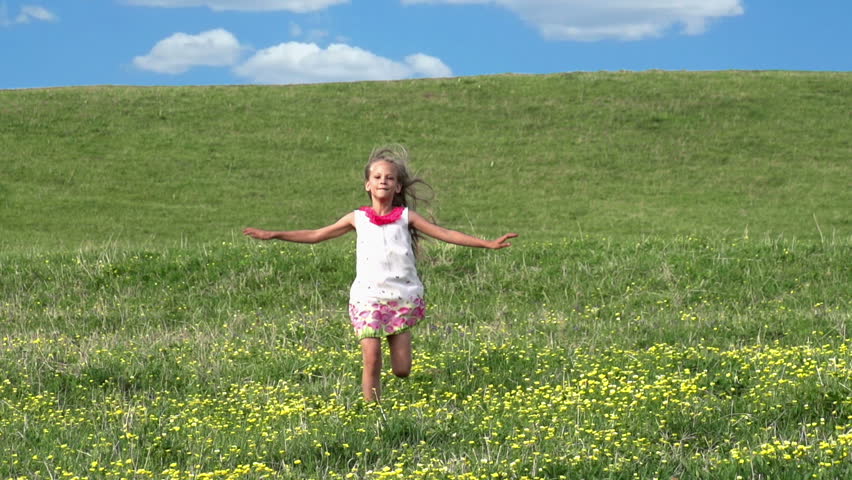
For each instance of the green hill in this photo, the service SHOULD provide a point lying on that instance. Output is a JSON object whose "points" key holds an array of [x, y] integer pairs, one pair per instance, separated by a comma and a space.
{"points": [[677, 307], [612, 154]]}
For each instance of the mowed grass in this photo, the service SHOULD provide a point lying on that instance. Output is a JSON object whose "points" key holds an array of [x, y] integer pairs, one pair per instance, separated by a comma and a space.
{"points": [[610, 154], [678, 304]]}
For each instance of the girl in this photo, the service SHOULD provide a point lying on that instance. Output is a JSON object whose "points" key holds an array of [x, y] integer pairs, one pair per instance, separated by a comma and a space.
{"points": [[386, 298]]}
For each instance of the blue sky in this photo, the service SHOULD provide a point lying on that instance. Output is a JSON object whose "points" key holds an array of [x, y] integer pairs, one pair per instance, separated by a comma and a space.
{"points": [[219, 42]]}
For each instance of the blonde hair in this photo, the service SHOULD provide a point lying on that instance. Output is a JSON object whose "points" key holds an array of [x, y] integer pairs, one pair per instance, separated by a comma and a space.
{"points": [[409, 196]]}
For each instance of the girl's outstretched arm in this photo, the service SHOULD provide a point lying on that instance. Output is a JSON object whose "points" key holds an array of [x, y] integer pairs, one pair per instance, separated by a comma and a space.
{"points": [[336, 229], [452, 236]]}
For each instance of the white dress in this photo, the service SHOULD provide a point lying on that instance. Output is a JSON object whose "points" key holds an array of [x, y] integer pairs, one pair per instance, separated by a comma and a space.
{"points": [[386, 297]]}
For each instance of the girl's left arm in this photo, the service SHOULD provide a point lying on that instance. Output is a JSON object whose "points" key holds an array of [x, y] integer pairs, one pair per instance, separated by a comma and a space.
{"points": [[455, 237]]}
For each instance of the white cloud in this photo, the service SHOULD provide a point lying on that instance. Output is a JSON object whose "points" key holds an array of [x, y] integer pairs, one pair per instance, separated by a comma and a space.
{"points": [[180, 52], [27, 14], [295, 62], [297, 6], [428, 66], [35, 13], [584, 20]]}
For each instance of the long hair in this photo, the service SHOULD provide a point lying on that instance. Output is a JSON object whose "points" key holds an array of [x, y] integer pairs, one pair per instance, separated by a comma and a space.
{"points": [[409, 195]]}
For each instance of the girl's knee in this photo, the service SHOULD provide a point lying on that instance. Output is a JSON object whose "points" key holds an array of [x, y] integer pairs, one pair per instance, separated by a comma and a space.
{"points": [[401, 365], [372, 363], [371, 352]]}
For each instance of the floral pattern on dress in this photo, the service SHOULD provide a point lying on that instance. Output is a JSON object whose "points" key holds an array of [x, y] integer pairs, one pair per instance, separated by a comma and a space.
{"points": [[385, 318]]}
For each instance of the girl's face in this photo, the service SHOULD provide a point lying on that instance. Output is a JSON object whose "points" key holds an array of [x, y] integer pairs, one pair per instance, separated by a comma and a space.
{"points": [[382, 182]]}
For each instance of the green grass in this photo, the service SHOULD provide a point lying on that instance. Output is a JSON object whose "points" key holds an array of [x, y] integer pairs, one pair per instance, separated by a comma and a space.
{"points": [[586, 358], [609, 154], [678, 304]]}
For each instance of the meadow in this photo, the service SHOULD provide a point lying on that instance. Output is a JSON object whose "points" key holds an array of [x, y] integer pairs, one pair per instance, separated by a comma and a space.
{"points": [[617, 155], [677, 306]]}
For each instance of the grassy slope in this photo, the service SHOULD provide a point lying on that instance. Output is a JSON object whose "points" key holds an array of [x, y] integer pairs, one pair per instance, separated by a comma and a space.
{"points": [[746, 339], [612, 154]]}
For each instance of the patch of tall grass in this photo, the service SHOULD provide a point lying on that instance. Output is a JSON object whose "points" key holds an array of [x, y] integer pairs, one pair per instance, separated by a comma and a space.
{"points": [[686, 357]]}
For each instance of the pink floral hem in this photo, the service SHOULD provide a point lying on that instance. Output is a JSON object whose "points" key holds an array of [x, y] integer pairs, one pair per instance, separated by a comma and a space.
{"points": [[385, 318]]}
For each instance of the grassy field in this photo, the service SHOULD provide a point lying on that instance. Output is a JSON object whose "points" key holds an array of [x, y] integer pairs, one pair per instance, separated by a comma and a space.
{"points": [[688, 358], [608, 154], [678, 304]]}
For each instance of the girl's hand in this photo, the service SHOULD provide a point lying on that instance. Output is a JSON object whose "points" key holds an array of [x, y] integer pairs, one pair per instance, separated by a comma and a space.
{"points": [[501, 242], [258, 234]]}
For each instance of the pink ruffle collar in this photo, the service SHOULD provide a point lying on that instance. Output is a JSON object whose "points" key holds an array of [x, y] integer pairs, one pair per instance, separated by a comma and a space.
{"points": [[377, 219]]}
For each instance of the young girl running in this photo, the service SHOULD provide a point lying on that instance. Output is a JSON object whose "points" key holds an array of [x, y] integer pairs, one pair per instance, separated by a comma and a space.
{"points": [[386, 298]]}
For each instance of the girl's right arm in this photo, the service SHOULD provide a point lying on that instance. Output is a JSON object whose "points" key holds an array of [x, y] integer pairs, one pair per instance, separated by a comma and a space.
{"points": [[338, 228]]}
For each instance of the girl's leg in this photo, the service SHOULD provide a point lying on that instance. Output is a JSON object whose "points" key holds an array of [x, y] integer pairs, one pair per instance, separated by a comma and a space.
{"points": [[371, 352], [400, 350]]}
